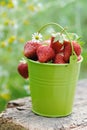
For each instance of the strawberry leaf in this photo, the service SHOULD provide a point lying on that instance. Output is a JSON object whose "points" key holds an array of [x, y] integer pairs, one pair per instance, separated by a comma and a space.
{"points": [[80, 41], [73, 36], [56, 39]]}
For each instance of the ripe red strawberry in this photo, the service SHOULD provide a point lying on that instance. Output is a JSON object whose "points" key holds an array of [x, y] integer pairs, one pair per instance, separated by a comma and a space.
{"points": [[59, 59], [30, 49], [45, 53], [23, 69], [67, 51], [66, 43], [77, 48], [57, 46]]}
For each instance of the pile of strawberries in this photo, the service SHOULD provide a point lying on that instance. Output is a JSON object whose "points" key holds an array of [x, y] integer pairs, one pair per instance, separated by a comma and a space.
{"points": [[49, 51], [54, 51]]}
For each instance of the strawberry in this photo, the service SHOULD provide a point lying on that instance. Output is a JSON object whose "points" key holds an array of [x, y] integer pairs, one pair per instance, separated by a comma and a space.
{"points": [[67, 51], [59, 59], [57, 46], [45, 53], [30, 49], [66, 43], [77, 48], [23, 69]]}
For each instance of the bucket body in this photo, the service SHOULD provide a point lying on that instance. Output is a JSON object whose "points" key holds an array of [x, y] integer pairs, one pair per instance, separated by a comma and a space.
{"points": [[52, 87]]}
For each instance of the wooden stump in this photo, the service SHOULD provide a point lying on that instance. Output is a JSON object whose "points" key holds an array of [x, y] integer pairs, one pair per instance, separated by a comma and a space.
{"points": [[18, 115]]}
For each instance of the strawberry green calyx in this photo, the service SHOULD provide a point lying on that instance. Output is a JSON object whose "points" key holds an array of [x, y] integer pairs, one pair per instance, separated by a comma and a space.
{"points": [[63, 30], [23, 61]]}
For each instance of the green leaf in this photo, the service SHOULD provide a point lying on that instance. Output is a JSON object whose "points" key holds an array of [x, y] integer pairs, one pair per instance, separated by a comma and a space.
{"points": [[73, 36], [80, 41], [56, 39]]}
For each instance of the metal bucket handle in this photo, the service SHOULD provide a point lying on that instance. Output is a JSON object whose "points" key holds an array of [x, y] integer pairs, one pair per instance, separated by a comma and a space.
{"points": [[73, 57]]}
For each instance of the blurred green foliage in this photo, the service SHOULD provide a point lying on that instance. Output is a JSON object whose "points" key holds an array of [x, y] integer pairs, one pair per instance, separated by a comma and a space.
{"points": [[18, 20]]}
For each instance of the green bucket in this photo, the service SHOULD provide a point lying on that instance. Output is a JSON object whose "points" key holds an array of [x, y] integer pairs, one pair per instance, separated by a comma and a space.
{"points": [[53, 86]]}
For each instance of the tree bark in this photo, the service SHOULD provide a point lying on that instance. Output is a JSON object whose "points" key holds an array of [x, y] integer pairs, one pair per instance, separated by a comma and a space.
{"points": [[18, 115]]}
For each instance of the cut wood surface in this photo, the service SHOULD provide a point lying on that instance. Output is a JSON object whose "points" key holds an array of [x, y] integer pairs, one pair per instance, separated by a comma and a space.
{"points": [[19, 116]]}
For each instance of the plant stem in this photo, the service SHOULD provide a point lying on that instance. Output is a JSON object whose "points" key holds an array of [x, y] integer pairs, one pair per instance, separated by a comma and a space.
{"points": [[52, 23]]}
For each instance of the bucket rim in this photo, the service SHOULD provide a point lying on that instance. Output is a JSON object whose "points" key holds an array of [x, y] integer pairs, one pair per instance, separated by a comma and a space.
{"points": [[52, 64]]}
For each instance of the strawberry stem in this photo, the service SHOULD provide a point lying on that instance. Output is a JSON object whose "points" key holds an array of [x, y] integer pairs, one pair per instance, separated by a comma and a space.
{"points": [[63, 30]]}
